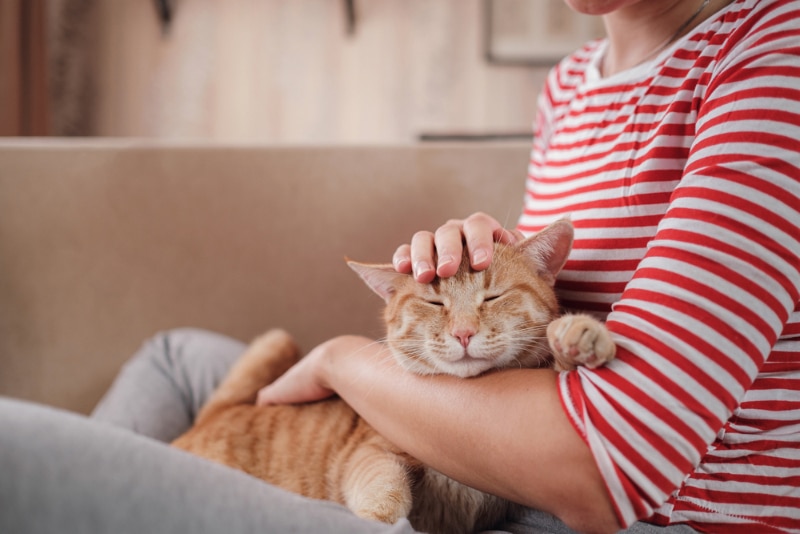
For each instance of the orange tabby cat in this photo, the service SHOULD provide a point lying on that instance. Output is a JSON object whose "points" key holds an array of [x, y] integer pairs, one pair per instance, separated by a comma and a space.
{"points": [[463, 326]]}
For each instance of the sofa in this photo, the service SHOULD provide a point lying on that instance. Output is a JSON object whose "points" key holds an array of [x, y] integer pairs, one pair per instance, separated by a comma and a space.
{"points": [[105, 242]]}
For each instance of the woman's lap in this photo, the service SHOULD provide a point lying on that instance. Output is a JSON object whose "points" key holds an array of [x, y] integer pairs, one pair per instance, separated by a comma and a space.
{"points": [[98, 478], [67, 473]]}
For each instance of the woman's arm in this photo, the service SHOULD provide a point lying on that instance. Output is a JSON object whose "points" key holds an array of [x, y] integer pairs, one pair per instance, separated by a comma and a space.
{"points": [[505, 433]]}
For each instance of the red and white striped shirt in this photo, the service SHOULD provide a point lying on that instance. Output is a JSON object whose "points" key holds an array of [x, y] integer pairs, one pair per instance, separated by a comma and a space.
{"points": [[682, 178]]}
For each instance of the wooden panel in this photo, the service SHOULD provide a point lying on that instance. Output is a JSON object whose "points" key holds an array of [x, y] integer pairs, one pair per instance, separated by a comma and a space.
{"points": [[36, 90], [24, 96], [287, 71], [10, 67]]}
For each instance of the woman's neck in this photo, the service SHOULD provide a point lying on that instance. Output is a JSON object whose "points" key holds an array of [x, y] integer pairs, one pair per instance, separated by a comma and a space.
{"points": [[639, 32]]}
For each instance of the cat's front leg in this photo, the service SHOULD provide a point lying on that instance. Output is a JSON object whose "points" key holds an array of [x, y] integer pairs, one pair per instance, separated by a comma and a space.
{"points": [[377, 483], [579, 340]]}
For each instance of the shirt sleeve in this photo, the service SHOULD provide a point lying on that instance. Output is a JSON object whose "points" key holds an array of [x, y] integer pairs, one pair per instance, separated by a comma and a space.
{"points": [[715, 289]]}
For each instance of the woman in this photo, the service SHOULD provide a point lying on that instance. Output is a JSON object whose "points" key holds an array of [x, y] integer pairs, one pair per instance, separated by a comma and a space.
{"points": [[672, 145]]}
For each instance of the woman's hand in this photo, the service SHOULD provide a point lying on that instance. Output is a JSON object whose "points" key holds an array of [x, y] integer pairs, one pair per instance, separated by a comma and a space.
{"points": [[308, 380], [443, 248]]}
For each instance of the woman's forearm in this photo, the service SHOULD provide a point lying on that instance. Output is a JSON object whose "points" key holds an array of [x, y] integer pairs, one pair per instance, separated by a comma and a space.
{"points": [[504, 432]]}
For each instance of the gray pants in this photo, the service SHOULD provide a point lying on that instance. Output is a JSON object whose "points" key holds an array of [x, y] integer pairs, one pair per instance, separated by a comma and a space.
{"points": [[67, 473]]}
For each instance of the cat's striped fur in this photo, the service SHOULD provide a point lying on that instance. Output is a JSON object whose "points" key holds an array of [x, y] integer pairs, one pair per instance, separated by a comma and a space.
{"points": [[464, 325]]}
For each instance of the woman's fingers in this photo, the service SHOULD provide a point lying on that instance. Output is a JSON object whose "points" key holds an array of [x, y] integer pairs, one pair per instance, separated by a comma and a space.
{"points": [[478, 232], [508, 237], [423, 257], [449, 248], [439, 254], [402, 259], [481, 232]]}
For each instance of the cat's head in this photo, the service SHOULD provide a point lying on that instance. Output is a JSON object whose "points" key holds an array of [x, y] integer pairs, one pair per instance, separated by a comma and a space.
{"points": [[475, 320]]}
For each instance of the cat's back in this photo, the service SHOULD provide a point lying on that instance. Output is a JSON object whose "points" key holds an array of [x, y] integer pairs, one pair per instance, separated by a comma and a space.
{"points": [[303, 448]]}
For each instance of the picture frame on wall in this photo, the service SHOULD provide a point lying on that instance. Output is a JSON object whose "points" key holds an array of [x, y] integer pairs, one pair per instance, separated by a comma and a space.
{"points": [[535, 32]]}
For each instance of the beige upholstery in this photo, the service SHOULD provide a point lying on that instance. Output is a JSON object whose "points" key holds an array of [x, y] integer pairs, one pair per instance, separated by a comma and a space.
{"points": [[103, 243]]}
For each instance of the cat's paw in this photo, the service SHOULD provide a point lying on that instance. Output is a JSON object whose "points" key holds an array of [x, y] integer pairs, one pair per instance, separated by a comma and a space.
{"points": [[579, 340], [387, 507]]}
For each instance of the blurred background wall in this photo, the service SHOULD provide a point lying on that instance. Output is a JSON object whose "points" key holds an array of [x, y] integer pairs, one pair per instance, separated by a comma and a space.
{"points": [[295, 71]]}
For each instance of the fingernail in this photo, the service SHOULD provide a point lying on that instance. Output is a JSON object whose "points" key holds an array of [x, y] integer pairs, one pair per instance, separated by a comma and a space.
{"points": [[445, 260], [400, 263], [479, 256], [421, 267]]}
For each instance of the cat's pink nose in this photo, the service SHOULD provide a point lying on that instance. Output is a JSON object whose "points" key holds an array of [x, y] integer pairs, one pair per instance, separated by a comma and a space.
{"points": [[464, 336]]}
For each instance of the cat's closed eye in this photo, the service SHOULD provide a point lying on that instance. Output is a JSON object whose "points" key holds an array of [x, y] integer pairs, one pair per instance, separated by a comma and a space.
{"points": [[435, 302], [491, 298]]}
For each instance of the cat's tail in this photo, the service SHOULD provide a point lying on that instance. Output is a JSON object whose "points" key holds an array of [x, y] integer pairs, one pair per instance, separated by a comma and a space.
{"points": [[267, 358]]}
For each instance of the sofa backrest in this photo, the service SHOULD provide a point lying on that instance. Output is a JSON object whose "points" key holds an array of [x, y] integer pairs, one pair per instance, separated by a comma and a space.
{"points": [[104, 243]]}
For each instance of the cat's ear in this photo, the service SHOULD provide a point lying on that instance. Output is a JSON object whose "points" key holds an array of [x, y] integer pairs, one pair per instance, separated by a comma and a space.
{"points": [[549, 248], [381, 278]]}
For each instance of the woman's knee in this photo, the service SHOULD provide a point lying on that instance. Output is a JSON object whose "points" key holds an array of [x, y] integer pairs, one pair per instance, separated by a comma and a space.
{"points": [[191, 350], [162, 387]]}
